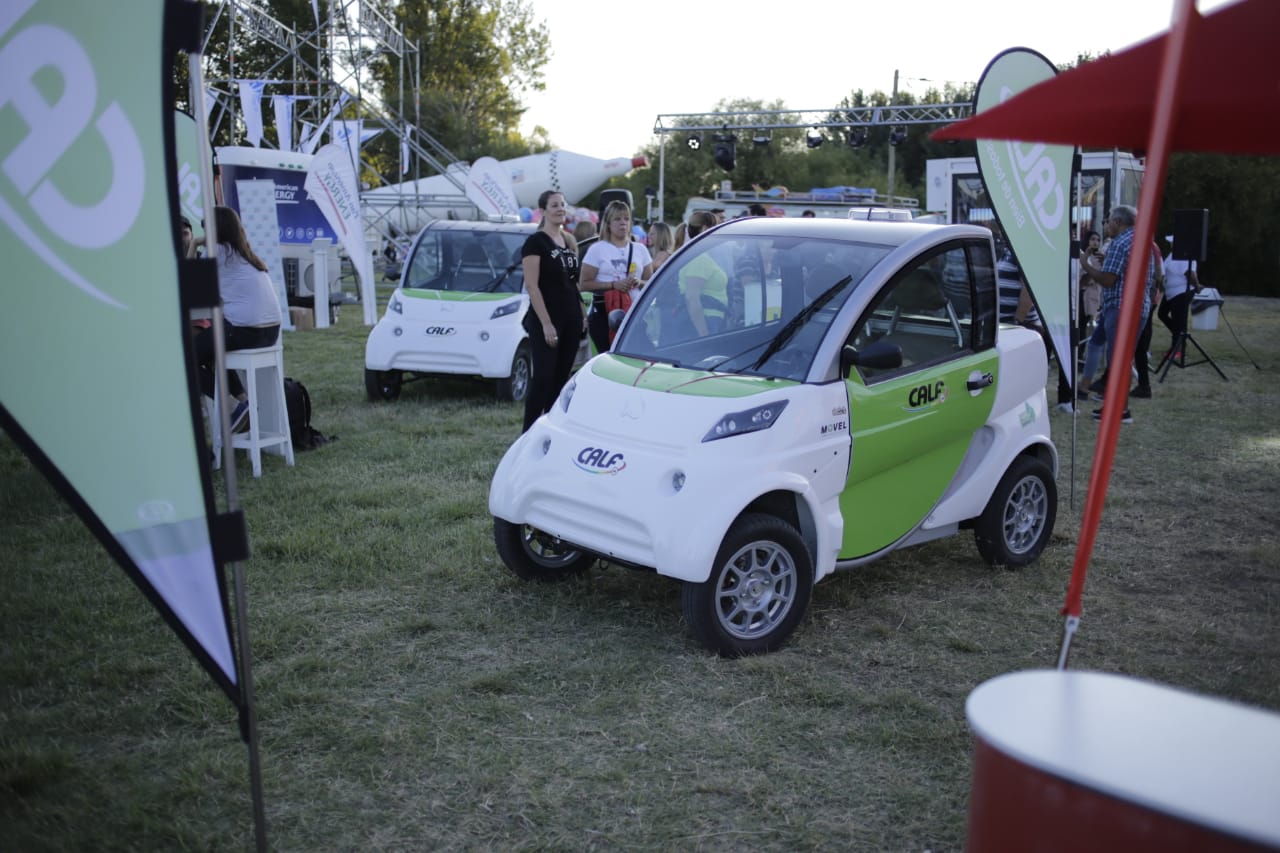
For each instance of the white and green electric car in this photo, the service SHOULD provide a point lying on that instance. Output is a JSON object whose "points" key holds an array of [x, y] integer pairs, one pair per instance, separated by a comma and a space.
{"points": [[456, 312], [790, 397]]}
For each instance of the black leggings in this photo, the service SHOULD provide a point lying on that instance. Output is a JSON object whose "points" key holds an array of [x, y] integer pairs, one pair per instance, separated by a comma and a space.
{"points": [[598, 326], [551, 366], [236, 337], [1173, 313]]}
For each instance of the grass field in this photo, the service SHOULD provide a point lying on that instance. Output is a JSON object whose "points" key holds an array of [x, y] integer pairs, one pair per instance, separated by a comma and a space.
{"points": [[413, 695]]}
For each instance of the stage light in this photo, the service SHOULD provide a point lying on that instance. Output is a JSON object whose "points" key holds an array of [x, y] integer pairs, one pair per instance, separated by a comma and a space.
{"points": [[856, 137], [813, 137], [694, 141], [723, 152], [761, 138], [897, 136]]}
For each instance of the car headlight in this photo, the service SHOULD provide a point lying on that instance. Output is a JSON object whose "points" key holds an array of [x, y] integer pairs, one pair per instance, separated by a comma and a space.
{"points": [[566, 393], [395, 305], [505, 309], [752, 420]]}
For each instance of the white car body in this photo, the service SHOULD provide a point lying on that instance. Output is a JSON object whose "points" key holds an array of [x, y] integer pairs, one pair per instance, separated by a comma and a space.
{"points": [[457, 310], [646, 462]]}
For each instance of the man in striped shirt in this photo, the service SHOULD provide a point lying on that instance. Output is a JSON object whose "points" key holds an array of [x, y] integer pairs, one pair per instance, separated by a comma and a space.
{"points": [[1111, 274]]}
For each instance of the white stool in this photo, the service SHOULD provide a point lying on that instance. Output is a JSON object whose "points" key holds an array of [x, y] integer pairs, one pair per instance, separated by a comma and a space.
{"points": [[262, 371]]}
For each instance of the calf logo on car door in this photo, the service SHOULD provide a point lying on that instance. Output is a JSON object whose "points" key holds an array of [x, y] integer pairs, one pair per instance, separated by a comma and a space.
{"points": [[926, 396]]}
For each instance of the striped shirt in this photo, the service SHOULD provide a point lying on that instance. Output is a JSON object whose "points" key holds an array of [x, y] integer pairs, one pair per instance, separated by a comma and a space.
{"points": [[1116, 261], [1009, 282]]}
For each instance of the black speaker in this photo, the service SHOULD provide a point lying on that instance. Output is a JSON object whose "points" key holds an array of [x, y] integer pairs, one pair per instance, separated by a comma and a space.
{"points": [[623, 195], [723, 153], [1190, 234]]}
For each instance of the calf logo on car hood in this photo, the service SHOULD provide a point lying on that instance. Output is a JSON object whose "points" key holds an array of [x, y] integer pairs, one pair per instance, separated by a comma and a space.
{"points": [[926, 396], [440, 331], [598, 460]]}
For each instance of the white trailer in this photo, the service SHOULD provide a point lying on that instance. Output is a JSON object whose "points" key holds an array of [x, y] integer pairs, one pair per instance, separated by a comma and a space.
{"points": [[1107, 178]]}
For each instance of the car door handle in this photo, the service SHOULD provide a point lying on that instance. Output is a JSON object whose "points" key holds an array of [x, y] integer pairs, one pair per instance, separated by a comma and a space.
{"points": [[981, 382]]}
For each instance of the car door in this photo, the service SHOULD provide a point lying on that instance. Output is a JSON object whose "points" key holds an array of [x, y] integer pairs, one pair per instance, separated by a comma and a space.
{"points": [[911, 425]]}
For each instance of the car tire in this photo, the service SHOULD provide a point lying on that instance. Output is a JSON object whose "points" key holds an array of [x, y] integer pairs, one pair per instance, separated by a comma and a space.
{"points": [[758, 591], [536, 556], [515, 388], [1018, 519], [382, 385]]}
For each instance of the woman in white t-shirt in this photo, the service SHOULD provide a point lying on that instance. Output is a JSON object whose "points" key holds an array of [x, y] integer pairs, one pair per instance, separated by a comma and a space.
{"points": [[614, 262], [250, 311], [1180, 285]]}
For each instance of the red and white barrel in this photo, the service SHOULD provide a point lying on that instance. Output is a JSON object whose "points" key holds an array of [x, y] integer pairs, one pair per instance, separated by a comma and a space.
{"points": [[1072, 761]]}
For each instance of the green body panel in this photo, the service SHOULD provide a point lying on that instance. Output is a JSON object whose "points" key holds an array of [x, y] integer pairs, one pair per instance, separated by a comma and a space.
{"points": [[455, 295], [681, 380], [910, 434]]}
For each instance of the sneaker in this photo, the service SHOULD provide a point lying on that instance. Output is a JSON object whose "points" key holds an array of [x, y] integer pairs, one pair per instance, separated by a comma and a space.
{"points": [[1066, 408], [1096, 396], [240, 416], [1125, 417], [1141, 392]]}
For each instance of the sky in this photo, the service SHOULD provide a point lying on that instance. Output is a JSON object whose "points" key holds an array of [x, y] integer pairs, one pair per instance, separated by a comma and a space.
{"points": [[616, 67]]}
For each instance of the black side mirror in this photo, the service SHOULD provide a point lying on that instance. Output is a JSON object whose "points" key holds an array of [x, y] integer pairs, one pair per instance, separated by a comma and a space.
{"points": [[880, 355]]}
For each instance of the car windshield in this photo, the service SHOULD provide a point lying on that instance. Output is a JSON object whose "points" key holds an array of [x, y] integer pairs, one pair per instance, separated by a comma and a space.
{"points": [[753, 305], [467, 261]]}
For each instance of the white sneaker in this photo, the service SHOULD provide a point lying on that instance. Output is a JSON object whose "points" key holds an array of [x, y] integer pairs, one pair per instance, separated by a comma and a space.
{"points": [[1065, 408]]}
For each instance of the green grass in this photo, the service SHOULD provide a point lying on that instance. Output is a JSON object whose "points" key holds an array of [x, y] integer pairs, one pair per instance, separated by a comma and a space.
{"points": [[414, 695]]}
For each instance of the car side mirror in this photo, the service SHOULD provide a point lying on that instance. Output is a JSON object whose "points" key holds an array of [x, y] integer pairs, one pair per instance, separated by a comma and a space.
{"points": [[880, 355]]}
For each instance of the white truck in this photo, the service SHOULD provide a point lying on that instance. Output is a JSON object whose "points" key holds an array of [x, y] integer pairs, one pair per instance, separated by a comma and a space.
{"points": [[955, 190]]}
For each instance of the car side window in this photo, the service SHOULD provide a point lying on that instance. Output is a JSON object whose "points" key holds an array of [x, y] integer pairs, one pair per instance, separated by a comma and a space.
{"points": [[983, 271], [926, 311]]}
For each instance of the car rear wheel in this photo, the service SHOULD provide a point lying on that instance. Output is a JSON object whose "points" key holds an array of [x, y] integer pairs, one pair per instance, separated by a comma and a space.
{"points": [[515, 387], [758, 591], [382, 384], [534, 555], [1018, 520]]}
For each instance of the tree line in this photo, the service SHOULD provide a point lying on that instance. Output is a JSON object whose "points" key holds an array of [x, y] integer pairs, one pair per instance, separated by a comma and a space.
{"points": [[477, 59]]}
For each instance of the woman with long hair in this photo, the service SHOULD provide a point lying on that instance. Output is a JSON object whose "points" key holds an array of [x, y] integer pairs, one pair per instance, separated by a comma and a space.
{"points": [[250, 311], [554, 321], [661, 243], [613, 262]]}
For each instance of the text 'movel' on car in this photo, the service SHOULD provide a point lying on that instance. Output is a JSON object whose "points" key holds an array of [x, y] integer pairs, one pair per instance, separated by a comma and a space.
{"points": [[786, 398]]}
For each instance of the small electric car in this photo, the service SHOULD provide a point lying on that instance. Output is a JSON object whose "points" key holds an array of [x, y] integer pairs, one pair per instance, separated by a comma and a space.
{"points": [[786, 398], [457, 311]]}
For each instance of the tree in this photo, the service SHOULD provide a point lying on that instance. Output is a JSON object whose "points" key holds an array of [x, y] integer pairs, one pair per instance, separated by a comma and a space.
{"points": [[1242, 195], [477, 58]]}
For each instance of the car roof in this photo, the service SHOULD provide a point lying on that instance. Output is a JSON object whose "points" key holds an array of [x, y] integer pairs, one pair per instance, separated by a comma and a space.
{"points": [[885, 233], [481, 226]]}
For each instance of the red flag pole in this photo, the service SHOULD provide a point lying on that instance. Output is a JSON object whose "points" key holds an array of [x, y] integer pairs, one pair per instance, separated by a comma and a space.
{"points": [[1116, 397]]}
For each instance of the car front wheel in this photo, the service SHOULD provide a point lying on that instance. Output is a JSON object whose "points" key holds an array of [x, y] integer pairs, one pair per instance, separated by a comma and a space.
{"points": [[516, 386], [758, 590], [534, 555], [1018, 520], [382, 384]]}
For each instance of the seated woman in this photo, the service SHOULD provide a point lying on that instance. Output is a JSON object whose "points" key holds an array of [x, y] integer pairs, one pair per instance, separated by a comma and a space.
{"points": [[250, 311]]}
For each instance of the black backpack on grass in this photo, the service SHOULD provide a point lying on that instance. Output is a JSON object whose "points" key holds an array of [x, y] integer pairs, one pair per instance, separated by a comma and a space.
{"points": [[298, 402]]}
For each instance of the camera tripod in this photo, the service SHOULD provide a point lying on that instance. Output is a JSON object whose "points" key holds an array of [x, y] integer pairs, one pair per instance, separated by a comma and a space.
{"points": [[1177, 357]]}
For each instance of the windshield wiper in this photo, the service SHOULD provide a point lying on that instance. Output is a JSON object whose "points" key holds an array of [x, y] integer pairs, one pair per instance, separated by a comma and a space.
{"points": [[793, 325], [502, 276]]}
